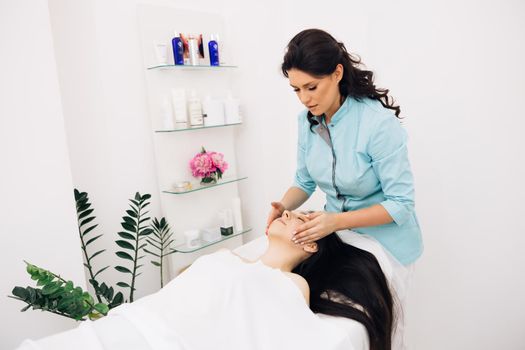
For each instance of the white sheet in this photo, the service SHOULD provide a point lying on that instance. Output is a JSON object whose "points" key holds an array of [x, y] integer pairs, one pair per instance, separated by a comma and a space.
{"points": [[220, 302], [395, 274]]}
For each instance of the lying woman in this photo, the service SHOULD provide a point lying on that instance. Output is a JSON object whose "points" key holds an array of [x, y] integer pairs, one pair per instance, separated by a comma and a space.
{"points": [[223, 301]]}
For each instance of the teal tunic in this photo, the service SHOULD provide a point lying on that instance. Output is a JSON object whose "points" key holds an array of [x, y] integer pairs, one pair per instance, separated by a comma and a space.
{"points": [[371, 167]]}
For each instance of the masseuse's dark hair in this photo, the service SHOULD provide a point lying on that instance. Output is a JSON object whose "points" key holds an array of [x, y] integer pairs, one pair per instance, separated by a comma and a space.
{"points": [[317, 53], [347, 281]]}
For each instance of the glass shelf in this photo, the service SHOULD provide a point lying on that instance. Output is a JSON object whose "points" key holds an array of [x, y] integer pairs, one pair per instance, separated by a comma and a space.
{"points": [[183, 248], [198, 128], [188, 67], [198, 186]]}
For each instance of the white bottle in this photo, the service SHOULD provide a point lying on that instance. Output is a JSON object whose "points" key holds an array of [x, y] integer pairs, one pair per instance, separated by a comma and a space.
{"points": [[231, 109], [213, 112], [195, 110], [167, 115], [179, 108], [220, 44], [193, 51], [237, 215]]}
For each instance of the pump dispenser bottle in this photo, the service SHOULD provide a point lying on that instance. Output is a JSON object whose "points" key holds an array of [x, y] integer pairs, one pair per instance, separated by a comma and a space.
{"points": [[178, 49]]}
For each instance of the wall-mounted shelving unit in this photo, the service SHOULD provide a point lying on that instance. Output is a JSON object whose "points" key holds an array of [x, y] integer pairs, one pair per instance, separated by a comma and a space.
{"points": [[198, 207]]}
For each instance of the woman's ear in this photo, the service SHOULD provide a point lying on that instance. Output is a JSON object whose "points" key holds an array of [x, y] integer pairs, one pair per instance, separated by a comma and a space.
{"points": [[338, 73], [311, 248]]}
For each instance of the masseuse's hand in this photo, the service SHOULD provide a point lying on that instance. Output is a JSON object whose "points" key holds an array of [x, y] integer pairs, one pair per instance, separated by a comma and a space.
{"points": [[321, 224], [275, 213]]}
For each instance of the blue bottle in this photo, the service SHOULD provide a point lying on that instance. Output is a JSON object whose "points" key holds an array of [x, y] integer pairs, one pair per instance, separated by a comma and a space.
{"points": [[213, 48], [178, 50]]}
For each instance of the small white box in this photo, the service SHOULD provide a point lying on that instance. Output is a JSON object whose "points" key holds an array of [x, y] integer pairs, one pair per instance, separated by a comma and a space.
{"points": [[211, 234]]}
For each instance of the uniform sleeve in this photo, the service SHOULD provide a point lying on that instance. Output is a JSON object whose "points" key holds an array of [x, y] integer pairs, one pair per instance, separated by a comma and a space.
{"points": [[388, 150], [302, 179]]}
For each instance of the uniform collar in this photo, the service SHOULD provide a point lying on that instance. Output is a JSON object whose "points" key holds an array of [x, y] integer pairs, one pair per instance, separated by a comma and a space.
{"points": [[337, 115], [341, 111]]}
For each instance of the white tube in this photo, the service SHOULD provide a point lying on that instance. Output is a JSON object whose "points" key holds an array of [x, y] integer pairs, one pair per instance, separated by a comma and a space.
{"points": [[161, 51], [237, 214]]}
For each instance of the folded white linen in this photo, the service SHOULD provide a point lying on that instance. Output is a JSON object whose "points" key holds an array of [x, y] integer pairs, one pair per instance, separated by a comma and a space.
{"points": [[219, 302]]}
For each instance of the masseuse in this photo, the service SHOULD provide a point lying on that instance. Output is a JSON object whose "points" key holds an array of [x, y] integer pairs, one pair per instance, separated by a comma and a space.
{"points": [[350, 144]]}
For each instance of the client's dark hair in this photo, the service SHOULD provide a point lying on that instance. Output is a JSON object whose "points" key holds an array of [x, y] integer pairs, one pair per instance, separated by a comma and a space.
{"points": [[347, 281]]}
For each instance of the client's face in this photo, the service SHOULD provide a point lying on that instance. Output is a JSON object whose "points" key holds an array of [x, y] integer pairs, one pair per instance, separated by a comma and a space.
{"points": [[285, 226]]}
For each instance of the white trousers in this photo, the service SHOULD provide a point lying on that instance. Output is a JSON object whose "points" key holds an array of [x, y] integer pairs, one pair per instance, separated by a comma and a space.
{"points": [[398, 340]]}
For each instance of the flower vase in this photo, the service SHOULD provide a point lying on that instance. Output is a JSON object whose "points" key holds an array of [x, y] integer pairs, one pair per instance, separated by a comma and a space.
{"points": [[208, 180]]}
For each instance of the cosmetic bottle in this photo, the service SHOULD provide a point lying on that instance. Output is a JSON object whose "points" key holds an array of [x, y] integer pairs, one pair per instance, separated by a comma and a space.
{"points": [[237, 216], [179, 108], [195, 110], [193, 50], [161, 51], [226, 222], [220, 46], [213, 49], [209, 235], [231, 109], [213, 111], [192, 238], [178, 49], [167, 115]]}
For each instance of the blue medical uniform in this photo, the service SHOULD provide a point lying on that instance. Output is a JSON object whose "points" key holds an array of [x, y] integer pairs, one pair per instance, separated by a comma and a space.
{"points": [[371, 166]]}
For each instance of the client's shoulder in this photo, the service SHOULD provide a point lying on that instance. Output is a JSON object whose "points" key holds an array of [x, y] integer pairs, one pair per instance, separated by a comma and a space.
{"points": [[301, 283]]}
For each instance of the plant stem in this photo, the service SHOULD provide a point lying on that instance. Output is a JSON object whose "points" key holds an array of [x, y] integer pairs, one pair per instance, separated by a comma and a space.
{"points": [[84, 249], [136, 253]]}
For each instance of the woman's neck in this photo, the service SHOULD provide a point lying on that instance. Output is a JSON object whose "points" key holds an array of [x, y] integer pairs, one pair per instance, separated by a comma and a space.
{"points": [[280, 256], [333, 109]]}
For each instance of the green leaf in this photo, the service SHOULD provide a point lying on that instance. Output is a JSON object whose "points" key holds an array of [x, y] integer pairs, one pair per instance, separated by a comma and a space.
{"points": [[131, 213], [145, 205], [99, 271], [87, 220], [89, 229], [97, 253], [82, 205], [92, 239], [20, 292], [50, 288], [125, 244], [154, 243], [129, 220], [146, 196], [145, 219], [102, 308], [150, 252], [119, 298], [155, 263], [145, 232], [123, 285], [85, 213], [123, 269], [128, 227], [126, 235], [124, 255]]}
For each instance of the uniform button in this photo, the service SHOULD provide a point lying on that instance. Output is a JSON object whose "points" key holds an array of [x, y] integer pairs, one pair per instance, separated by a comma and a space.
{"points": [[332, 125]]}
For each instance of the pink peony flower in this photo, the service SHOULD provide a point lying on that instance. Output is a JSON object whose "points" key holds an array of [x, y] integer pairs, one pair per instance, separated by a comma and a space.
{"points": [[208, 164], [218, 161], [201, 165]]}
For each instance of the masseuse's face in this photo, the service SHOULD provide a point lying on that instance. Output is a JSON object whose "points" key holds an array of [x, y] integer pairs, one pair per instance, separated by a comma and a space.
{"points": [[319, 94]]}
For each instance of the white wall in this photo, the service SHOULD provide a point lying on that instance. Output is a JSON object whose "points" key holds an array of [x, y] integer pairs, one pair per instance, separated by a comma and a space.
{"points": [[37, 209], [454, 67]]}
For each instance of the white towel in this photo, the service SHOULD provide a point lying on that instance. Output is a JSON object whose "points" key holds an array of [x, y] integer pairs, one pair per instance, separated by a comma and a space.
{"points": [[222, 302]]}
